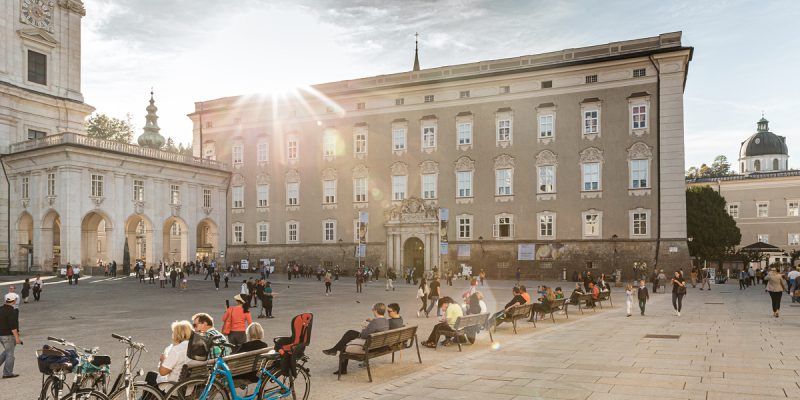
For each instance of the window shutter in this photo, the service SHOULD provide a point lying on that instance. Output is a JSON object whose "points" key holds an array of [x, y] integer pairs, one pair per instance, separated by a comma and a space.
{"points": [[495, 231]]}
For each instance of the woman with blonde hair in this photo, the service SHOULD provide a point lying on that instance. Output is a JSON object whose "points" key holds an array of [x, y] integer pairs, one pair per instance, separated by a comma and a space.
{"points": [[174, 356], [539, 309]]}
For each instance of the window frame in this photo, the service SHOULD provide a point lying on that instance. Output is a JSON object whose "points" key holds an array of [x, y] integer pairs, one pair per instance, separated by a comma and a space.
{"points": [[460, 189], [766, 209], [552, 178], [730, 206], [326, 238], [51, 184], [237, 154], [428, 136], [293, 149], [264, 232], [598, 173], [329, 191], [98, 183], [543, 219], [763, 237], [637, 175], [360, 145], [237, 233], [789, 238], [237, 196], [404, 144], [292, 227], [509, 189], [464, 226], [357, 187], [174, 194], [292, 194], [429, 98], [640, 110], [552, 124], [33, 67], [588, 117], [262, 195], [639, 228], [207, 197], [793, 208], [501, 130], [25, 187], [262, 152], [464, 137], [585, 223], [329, 146], [433, 195], [499, 221], [399, 182]]}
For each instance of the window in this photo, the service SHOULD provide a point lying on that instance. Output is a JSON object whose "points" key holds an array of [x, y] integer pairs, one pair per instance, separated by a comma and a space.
{"points": [[33, 134], [639, 221], [504, 130], [37, 67], [262, 195], [138, 190], [238, 154], [793, 208], [775, 164], [174, 194], [328, 231], [237, 197], [399, 101], [292, 231], [25, 187], [763, 238], [329, 145], [464, 226], [503, 227], [591, 176], [464, 133], [591, 121], [428, 137], [639, 115], [757, 165], [209, 124], [503, 179], [546, 225], [238, 233], [464, 94], [505, 89], [429, 98], [399, 138], [329, 191], [547, 179], [464, 183], [292, 194], [97, 185], [263, 152], [794, 239], [292, 147], [206, 198], [545, 126], [591, 78], [399, 183], [429, 186], [263, 232], [639, 72], [360, 142], [639, 173], [175, 229], [360, 190], [763, 209], [591, 224], [733, 210], [51, 184], [547, 84], [361, 106]]}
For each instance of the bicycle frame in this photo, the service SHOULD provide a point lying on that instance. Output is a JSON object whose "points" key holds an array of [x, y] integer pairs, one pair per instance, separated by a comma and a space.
{"points": [[220, 367]]}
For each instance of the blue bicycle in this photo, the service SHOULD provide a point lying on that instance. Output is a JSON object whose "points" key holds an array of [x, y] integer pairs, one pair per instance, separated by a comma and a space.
{"points": [[273, 382]]}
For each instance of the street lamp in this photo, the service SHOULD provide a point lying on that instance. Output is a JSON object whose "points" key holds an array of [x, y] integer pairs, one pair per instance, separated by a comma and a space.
{"points": [[480, 243]]}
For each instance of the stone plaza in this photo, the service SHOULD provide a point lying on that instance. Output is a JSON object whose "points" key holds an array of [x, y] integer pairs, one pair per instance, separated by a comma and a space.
{"points": [[728, 344]]}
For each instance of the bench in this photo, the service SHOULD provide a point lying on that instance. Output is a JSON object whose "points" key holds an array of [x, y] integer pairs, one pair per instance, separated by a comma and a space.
{"points": [[519, 311], [380, 344], [556, 305], [239, 364], [604, 296], [465, 322], [582, 301]]}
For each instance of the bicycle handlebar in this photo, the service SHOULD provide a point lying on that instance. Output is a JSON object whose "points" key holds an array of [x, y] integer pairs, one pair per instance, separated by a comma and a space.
{"points": [[64, 342], [129, 342]]}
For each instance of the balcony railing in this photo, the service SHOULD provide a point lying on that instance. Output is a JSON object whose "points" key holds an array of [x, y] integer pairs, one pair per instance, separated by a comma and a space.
{"points": [[110, 145]]}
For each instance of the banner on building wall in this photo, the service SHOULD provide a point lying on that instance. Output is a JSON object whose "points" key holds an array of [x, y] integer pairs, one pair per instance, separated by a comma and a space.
{"points": [[363, 222], [361, 251], [444, 215], [464, 250], [526, 252], [443, 249]]}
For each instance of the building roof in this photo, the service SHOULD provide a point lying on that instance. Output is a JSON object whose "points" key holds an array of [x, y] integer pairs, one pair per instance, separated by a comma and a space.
{"points": [[763, 142], [742, 177], [762, 247]]}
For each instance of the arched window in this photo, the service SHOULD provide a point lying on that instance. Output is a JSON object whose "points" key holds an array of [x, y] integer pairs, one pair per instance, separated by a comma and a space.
{"points": [[775, 164], [757, 165]]}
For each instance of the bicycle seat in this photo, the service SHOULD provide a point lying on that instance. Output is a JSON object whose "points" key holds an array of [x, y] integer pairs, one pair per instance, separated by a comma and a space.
{"points": [[271, 355]]}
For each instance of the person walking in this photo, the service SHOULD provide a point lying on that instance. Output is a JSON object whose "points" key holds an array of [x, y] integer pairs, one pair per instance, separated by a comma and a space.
{"points": [[152, 275], [37, 288], [693, 274], [678, 291], [9, 334], [266, 300], [422, 295], [215, 277], [236, 320], [359, 280], [628, 298], [517, 275], [173, 277], [328, 281], [705, 279], [76, 270], [775, 287], [433, 297], [114, 269], [227, 276], [26, 290], [662, 281], [162, 277], [743, 279], [390, 280], [70, 273], [643, 295], [794, 283]]}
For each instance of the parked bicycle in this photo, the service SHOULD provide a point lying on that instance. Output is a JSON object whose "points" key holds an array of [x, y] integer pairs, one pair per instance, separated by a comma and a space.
{"points": [[125, 387], [91, 372]]}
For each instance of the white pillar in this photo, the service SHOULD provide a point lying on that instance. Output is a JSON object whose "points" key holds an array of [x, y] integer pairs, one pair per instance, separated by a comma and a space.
{"points": [[389, 251], [427, 246]]}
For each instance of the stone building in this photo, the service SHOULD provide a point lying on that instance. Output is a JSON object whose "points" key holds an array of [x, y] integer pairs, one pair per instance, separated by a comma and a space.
{"points": [[66, 197], [559, 161], [764, 199]]}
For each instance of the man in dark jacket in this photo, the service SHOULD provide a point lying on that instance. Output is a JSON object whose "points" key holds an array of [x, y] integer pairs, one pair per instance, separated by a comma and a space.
{"points": [[643, 295], [378, 323], [9, 334]]}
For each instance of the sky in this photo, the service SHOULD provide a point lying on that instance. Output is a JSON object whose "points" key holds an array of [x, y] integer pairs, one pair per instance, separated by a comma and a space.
{"points": [[745, 61]]}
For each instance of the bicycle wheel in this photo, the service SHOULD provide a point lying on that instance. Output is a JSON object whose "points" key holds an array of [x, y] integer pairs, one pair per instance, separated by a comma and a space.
{"points": [[53, 388], [85, 394], [300, 385], [139, 391], [193, 389]]}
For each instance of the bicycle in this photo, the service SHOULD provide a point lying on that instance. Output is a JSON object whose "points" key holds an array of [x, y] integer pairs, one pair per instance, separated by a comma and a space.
{"points": [[91, 372], [220, 385], [124, 387]]}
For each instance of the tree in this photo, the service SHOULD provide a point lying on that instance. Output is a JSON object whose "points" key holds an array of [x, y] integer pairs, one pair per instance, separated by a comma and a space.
{"points": [[720, 167], [179, 149], [102, 126], [714, 233]]}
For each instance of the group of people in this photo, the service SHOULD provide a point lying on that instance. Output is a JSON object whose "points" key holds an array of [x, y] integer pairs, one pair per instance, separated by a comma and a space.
{"points": [[258, 290]]}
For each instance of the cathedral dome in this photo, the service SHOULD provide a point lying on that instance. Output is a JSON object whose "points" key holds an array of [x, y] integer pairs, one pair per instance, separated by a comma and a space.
{"points": [[151, 137], [763, 142]]}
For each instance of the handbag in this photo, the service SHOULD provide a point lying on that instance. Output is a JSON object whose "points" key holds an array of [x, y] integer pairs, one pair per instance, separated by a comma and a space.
{"points": [[420, 293], [199, 347], [681, 289]]}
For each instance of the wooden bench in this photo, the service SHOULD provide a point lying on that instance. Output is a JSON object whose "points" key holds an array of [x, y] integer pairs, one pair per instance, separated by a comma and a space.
{"points": [[519, 311], [239, 364], [604, 296], [465, 322], [383, 343], [557, 305], [582, 300]]}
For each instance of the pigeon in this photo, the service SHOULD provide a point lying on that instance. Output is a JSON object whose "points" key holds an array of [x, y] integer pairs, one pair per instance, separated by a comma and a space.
{"points": [[71, 317]]}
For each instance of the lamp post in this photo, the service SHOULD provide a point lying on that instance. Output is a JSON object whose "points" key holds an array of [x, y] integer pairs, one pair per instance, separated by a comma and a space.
{"points": [[247, 255], [617, 273]]}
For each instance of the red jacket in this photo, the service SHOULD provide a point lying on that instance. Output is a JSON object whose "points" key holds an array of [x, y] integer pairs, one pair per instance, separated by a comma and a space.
{"points": [[236, 320]]}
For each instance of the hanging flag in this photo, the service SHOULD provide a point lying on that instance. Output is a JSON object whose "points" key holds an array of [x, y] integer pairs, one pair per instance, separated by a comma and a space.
{"points": [[363, 220], [444, 215]]}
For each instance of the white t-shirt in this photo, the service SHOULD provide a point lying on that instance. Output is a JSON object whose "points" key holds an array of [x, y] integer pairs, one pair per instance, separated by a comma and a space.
{"points": [[793, 274], [176, 358]]}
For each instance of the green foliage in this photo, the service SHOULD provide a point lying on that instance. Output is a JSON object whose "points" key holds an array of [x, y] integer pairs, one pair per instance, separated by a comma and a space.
{"points": [[720, 167], [179, 149], [714, 233], [102, 126]]}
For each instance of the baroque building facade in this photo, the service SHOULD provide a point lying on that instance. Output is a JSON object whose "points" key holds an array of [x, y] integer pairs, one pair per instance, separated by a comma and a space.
{"points": [[550, 163], [69, 198]]}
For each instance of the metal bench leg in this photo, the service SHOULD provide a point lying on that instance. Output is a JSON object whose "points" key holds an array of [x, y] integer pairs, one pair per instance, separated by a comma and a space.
{"points": [[553, 315], [339, 370], [490, 335], [458, 341], [580, 308], [369, 371], [566, 311], [392, 357], [514, 324], [416, 342]]}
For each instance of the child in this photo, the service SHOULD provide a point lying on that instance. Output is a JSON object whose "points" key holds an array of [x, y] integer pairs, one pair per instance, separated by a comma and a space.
{"points": [[26, 290], [629, 298], [643, 295]]}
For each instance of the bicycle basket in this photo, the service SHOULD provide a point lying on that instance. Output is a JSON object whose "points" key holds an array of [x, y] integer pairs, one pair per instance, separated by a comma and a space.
{"points": [[99, 361], [50, 359]]}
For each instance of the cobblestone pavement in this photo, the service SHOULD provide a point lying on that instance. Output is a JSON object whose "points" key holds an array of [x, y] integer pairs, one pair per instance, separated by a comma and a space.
{"points": [[731, 350]]}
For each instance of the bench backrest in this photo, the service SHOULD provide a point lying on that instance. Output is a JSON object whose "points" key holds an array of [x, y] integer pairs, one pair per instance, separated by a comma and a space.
{"points": [[558, 303], [471, 320], [604, 295], [239, 364], [390, 337], [519, 310], [586, 296]]}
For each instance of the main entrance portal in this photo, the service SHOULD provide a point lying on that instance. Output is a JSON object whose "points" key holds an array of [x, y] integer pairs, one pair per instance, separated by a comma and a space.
{"points": [[412, 236], [414, 255]]}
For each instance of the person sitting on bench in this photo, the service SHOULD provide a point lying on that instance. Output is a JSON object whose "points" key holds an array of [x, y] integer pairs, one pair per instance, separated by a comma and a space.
{"points": [[378, 323], [499, 317], [544, 307], [451, 311]]}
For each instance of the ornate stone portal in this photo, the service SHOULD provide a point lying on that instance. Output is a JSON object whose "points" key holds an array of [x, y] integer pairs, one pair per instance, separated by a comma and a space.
{"points": [[412, 220]]}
